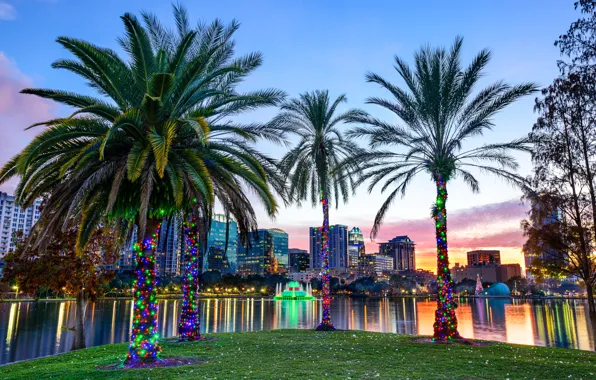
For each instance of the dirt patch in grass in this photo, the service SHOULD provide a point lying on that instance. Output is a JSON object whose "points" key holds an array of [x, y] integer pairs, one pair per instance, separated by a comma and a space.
{"points": [[161, 363], [464, 342]]}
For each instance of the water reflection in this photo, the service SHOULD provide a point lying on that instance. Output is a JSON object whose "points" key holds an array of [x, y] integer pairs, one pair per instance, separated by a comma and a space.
{"points": [[30, 329]]}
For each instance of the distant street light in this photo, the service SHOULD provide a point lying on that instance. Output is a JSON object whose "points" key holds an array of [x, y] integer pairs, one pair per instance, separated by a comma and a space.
{"points": [[16, 287]]}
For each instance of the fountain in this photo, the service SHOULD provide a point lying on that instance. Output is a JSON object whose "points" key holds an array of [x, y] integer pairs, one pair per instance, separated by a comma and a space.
{"points": [[293, 291]]}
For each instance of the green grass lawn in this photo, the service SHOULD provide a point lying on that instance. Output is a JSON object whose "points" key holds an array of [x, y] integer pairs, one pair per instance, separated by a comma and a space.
{"points": [[305, 354]]}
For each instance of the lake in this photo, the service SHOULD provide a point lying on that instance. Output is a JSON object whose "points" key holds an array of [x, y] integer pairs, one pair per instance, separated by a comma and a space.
{"points": [[33, 329]]}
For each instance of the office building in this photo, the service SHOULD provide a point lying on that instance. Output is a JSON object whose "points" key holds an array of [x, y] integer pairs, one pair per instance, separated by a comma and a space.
{"points": [[222, 257], [168, 255], [14, 218], [338, 246], [484, 257], [356, 249], [487, 273], [402, 250], [375, 264], [280, 250], [298, 260], [267, 253]]}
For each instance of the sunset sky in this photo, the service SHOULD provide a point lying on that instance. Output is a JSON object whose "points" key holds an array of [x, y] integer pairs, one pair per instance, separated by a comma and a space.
{"points": [[310, 45]]}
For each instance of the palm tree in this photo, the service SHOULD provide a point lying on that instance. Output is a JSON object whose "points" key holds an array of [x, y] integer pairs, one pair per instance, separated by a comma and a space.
{"points": [[310, 165], [439, 113], [148, 152], [226, 137]]}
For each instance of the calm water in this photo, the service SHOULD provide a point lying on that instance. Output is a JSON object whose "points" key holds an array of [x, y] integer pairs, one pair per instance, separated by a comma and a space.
{"points": [[29, 330]]}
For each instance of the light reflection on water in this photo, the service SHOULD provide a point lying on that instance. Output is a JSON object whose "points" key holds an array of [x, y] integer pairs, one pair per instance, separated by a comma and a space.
{"points": [[29, 329]]}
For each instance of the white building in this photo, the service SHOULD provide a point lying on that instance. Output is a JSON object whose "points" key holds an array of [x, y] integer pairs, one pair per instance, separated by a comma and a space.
{"points": [[304, 276], [14, 218]]}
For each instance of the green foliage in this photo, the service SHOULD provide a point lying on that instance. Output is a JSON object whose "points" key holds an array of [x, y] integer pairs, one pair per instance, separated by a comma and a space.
{"points": [[294, 354], [314, 166], [439, 112], [158, 140]]}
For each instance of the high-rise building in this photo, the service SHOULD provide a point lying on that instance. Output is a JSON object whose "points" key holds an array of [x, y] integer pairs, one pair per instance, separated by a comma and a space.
{"points": [[220, 257], [298, 260], [280, 250], [14, 218], [356, 249], [484, 257], [338, 246], [402, 250], [267, 253], [168, 255]]}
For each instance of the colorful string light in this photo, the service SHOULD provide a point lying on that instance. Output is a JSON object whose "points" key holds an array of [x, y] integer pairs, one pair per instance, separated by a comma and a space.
{"points": [[326, 277], [144, 345], [189, 326], [445, 326]]}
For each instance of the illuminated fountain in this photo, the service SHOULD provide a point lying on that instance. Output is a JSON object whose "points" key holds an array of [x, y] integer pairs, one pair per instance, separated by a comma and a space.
{"points": [[293, 291]]}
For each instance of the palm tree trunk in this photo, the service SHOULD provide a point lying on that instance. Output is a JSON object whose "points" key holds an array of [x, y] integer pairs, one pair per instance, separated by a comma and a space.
{"points": [[144, 345], [79, 330], [326, 324], [445, 326], [189, 326]]}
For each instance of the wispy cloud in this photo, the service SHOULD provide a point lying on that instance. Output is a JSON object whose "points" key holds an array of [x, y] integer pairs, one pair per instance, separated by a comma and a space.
{"points": [[7, 11], [17, 112], [494, 226]]}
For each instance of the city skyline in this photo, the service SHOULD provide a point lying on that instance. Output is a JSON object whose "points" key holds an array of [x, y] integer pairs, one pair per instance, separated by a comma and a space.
{"points": [[518, 55]]}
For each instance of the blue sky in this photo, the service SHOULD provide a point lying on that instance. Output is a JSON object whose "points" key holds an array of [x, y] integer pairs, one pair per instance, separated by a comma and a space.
{"points": [[311, 45]]}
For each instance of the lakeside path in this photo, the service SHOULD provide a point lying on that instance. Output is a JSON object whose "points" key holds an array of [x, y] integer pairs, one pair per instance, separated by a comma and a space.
{"points": [[306, 354]]}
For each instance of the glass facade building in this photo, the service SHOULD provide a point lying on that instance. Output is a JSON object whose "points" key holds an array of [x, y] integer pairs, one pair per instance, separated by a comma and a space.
{"points": [[356, 249], [298, 259], [338, 246], [218, 256], [267, 253]]}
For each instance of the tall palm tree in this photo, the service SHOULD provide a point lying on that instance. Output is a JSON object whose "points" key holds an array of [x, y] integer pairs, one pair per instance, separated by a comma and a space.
{"points": [[311, 164], [215, 113], [440, 113], [147, 152]]}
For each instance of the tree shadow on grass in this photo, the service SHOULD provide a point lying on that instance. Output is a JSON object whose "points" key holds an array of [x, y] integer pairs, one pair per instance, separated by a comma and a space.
{"points": [[160, 363], [462, 342]]}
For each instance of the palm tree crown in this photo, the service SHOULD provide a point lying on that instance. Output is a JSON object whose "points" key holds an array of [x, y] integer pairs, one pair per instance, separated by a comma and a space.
{"points": [[439, 113], [161, 142], [311, 165]]}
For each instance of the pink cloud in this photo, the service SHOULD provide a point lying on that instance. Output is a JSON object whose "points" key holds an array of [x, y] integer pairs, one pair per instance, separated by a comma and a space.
{"points": [[492, 226], [17, 112]]}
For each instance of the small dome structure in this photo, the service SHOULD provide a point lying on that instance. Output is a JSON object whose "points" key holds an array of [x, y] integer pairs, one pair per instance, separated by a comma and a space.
{"points": [[497, 290]]}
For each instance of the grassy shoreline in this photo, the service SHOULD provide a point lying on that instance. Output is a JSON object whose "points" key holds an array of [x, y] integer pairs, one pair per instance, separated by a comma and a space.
{"points": [[306, 354]]}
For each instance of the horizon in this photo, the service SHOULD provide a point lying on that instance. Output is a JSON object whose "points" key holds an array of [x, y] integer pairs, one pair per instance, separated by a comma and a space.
{"points": [[341, 44]]}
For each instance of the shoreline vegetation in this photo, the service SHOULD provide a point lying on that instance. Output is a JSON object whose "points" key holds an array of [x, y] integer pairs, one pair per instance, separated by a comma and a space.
{"points": [[309, 354]]}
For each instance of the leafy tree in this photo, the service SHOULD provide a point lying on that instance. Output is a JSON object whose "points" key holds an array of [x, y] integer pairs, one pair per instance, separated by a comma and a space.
{"points": [[579, 42], [440, 113], [59, 268], [402, 283], [158, 146], [561, 228], [313, 165]]}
